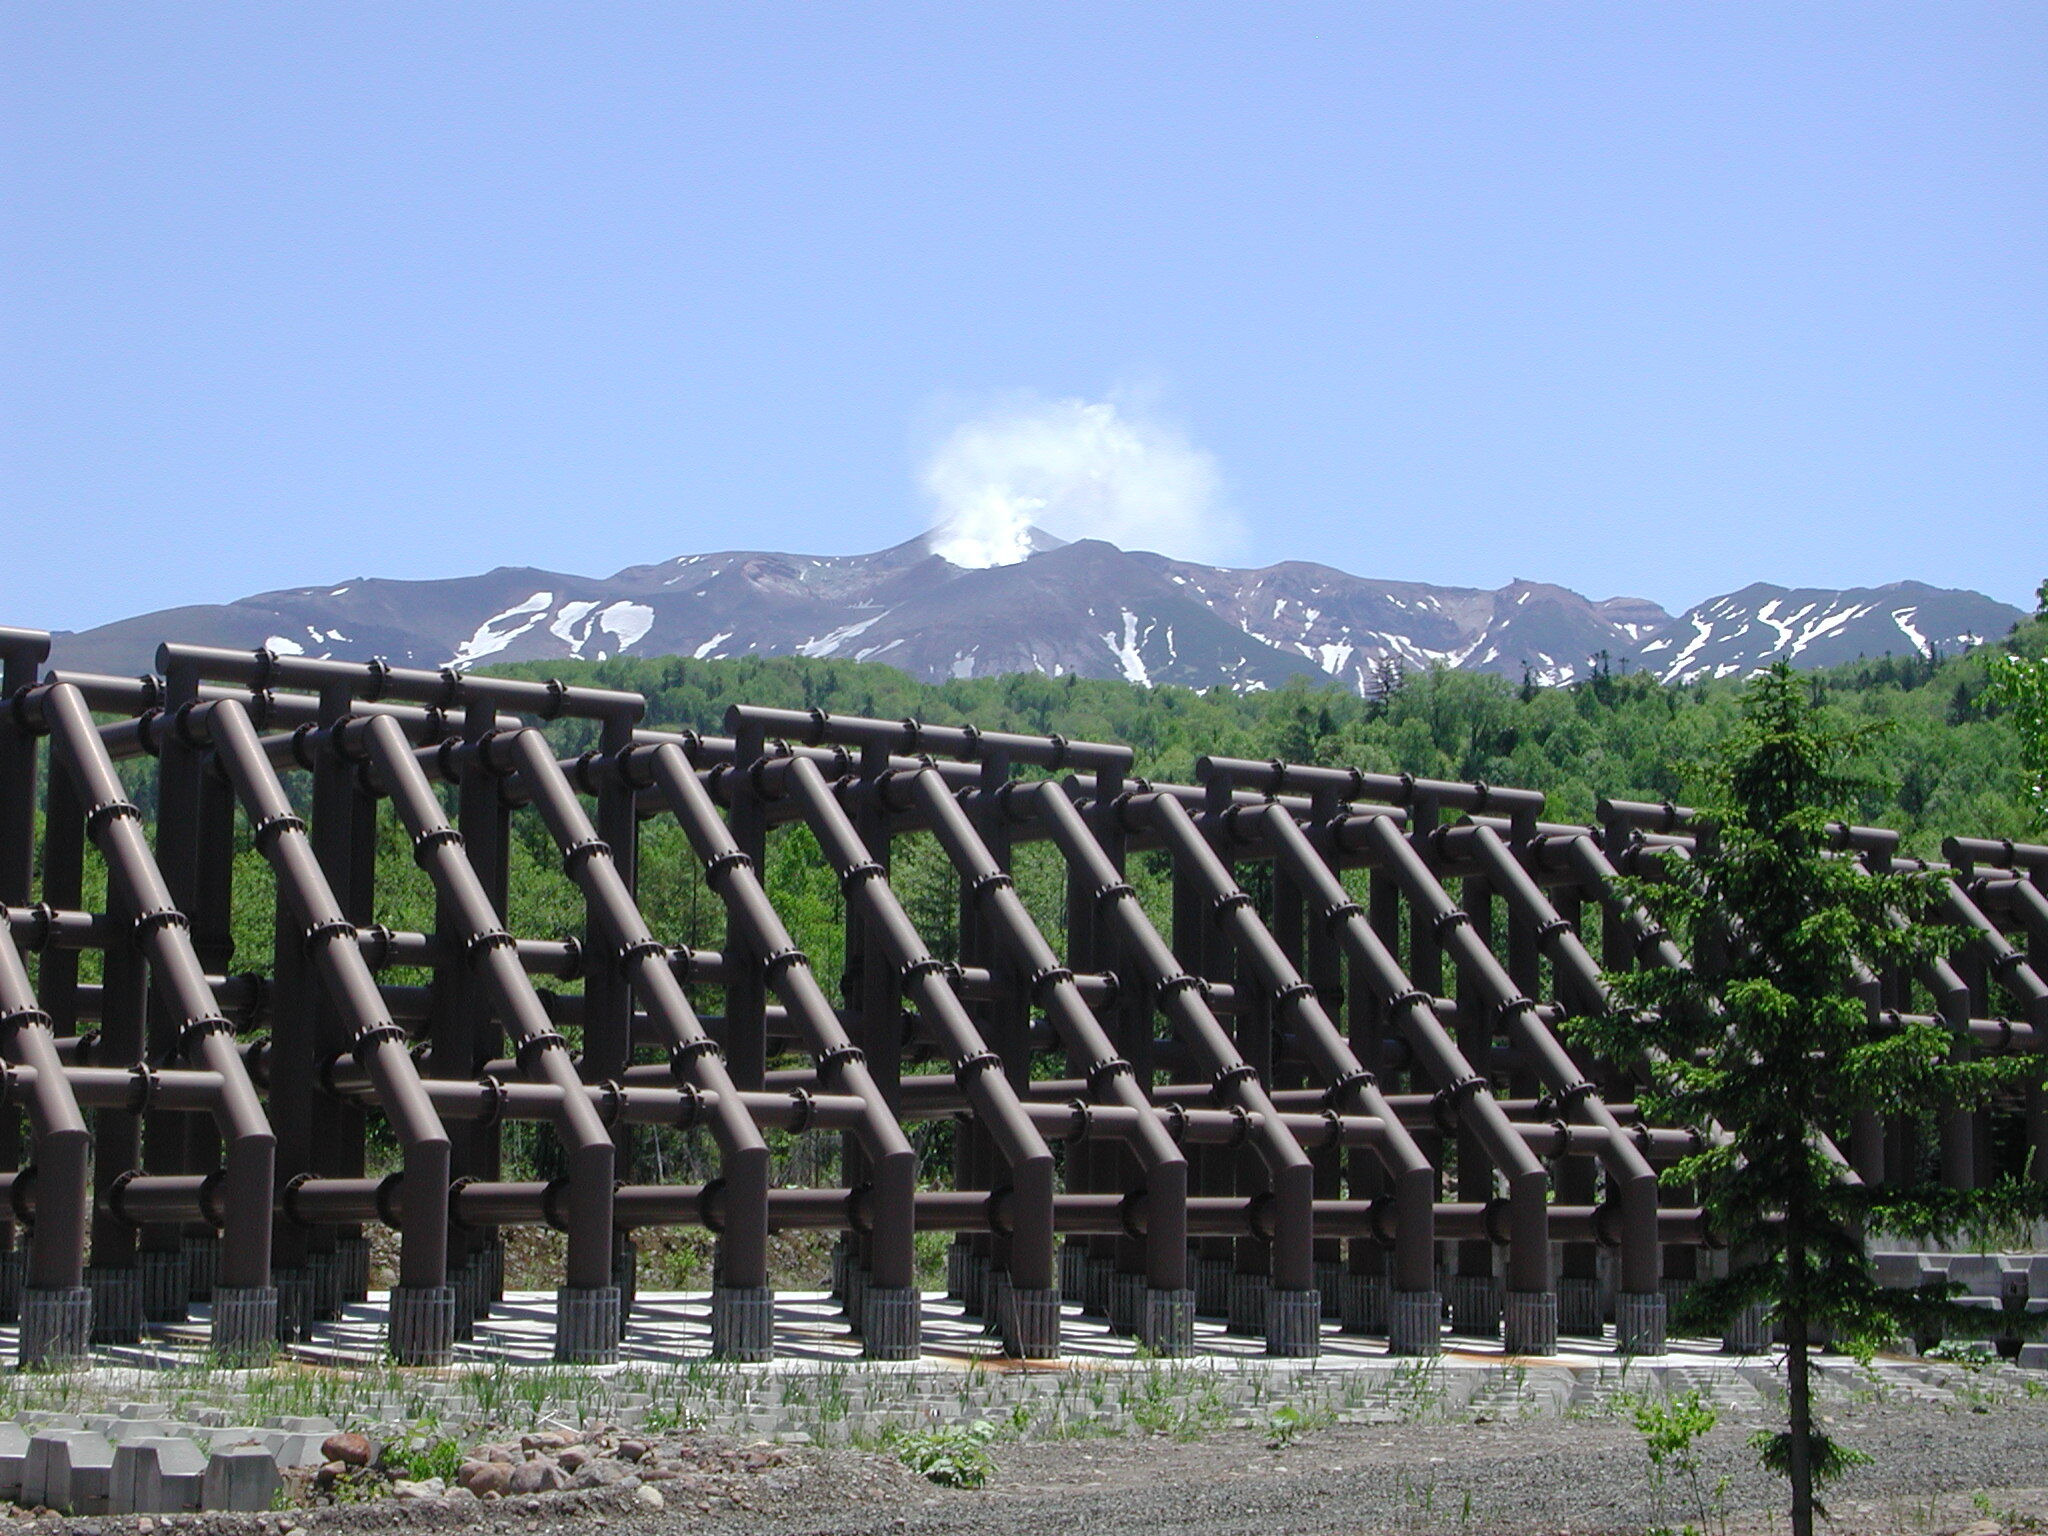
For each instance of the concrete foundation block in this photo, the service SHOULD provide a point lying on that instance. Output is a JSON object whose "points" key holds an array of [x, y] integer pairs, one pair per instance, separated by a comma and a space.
{"points": [[69, 1470], [1414, 1323], [1529, 1323], [422, 1325], [13, 1459], [1031, 1326], [1294, 1324], [245, 1322], [891, 1323], [1578, 1308], [1639, 1323], [587, 1324], [1362, 1303], [1167, 1324], [742, 1323], [1475, 1303], [56, 1325], [166, 1288], [158, 1475], [1246, 1310], [241, 1477]]}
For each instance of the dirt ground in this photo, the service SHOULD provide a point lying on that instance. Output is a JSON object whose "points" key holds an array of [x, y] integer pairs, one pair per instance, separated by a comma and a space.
{"points": [[1936, 1469]]}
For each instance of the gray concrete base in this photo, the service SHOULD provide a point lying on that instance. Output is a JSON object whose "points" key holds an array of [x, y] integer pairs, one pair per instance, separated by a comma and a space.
{"points": [[1126, 1301], [244, 1322], [1294, 1324], [202, 1267], [1246, 1311], [165, 1288], [1212, 1287], [1362, 1303], [587, 1322], [1578, 1308], [56, 1325], [1748, 1333], [891, 1323], [1529, 1323], [1415, 1323], [1330, 1286], [742, 1323], [1475, 1303], [1031, 1323], [116, 1303], [1639, 1323], [422, 1330]]}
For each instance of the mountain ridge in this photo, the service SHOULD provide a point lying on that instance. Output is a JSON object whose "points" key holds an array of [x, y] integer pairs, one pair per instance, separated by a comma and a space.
{"points": [[1082, 606]]}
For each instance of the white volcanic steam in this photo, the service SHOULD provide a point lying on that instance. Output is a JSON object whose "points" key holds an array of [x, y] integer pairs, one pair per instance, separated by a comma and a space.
{"points": [[1079, 469]]}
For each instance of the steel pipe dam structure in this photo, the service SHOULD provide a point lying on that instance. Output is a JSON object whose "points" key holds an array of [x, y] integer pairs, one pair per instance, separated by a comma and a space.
{"points": [[1325, 1089]]}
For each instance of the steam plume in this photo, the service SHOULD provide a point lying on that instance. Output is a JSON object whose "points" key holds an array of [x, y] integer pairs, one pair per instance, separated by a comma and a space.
{"points": [[1077, 468]]}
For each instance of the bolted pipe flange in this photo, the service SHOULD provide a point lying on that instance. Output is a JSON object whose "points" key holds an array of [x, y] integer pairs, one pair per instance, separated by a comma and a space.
{"points": [[587, 1322], [891, 1323], [1415, 1323], [422, 1327], [1639, 1323], [742, 1322], [1294, 1324], [244, 1323], [1529, 1323]]}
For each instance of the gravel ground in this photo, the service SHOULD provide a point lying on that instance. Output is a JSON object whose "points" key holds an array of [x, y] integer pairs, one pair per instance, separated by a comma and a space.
{"points": [[1938, 1468]]}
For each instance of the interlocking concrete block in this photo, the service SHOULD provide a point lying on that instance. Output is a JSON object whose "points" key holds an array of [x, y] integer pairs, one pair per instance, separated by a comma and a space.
{"points": [[290, 1449], [304, 1424], [224, 1437], [13, 1456], [241, 1477], [68, 1470], [163, 1475], [2033, 1357]]}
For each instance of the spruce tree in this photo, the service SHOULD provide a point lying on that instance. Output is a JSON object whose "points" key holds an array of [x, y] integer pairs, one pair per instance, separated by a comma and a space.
{"points": [[1766, 1045]]}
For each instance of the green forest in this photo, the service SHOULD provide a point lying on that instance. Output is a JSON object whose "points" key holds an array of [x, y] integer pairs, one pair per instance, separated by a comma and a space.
{"points": [[1948, 763]]}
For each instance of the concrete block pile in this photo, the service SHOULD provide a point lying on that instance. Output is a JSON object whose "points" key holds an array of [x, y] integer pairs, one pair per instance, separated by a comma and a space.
{"points": [[140, 1461]]}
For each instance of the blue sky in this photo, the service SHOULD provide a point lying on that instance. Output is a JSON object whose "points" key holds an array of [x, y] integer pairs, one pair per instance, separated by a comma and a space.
{"points": [[1652, 299]]}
